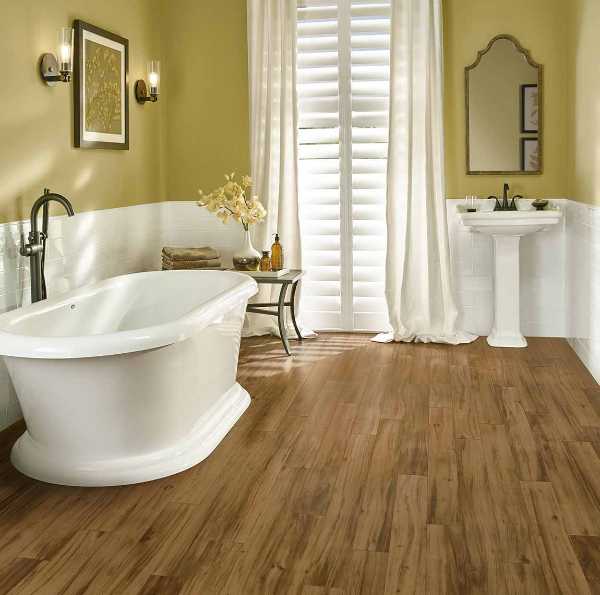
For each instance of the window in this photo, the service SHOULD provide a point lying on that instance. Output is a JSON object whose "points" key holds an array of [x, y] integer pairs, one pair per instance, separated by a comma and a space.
{"points": [[343, 102]]}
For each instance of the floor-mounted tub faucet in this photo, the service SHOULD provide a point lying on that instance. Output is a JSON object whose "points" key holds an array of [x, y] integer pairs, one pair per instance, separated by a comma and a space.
{"points": [[36, 248]]}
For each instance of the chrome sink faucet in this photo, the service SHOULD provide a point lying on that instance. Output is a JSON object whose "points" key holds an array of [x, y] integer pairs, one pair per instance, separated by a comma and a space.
{"points": [[36, 248], [505, 205]]}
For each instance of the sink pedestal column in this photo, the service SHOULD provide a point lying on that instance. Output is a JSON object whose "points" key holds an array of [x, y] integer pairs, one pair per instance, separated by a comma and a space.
{"points": [[507, 321]]}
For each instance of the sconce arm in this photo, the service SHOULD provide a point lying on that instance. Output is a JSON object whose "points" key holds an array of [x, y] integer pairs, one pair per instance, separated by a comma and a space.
{"points": [[141, 93]]}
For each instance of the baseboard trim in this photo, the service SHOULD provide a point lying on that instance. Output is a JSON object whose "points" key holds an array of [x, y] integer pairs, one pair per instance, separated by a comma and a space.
{"points": [[584, 355]]}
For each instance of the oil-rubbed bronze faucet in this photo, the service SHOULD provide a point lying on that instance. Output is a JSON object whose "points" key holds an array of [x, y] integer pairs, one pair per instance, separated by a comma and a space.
{"points": [[505, 205], [36, 248]]}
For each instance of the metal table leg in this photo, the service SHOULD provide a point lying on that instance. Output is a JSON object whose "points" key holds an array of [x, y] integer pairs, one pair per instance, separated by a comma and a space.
{"points": [[281, 318], [293, 310]]}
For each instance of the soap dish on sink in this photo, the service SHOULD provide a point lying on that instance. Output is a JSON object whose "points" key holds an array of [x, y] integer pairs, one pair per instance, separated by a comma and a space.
{"points": [[539, 204]]}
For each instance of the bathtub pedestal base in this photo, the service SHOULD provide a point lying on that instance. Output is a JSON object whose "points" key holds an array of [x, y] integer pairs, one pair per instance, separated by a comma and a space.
{"points": [[40, 461]]}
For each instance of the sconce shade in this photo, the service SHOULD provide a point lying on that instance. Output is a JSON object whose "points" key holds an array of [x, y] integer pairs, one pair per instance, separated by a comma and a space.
{"points": [[149, 92], [58, 69], [154, 77], [65, 50]]}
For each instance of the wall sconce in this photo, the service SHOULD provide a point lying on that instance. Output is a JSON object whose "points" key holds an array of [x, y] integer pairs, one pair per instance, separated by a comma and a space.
{"points": [[141, 89], [53, 71]]}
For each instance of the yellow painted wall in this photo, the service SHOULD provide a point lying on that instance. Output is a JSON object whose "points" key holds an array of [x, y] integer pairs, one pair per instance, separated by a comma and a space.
{"points": [[541, 26], [199, 129], [207, 93], [36, 121], [584, 102], [206, 78]]}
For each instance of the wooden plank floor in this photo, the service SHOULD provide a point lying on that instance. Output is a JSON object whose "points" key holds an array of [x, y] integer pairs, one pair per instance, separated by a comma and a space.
{"points": [[358, 468]]}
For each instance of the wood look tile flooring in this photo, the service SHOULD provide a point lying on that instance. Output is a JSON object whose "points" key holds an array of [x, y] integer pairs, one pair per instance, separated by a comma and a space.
{"points": [[358, 468]]}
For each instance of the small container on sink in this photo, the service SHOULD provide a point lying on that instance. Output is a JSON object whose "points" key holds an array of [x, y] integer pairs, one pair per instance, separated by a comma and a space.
{"points": [[539, 204], [470, 203]]}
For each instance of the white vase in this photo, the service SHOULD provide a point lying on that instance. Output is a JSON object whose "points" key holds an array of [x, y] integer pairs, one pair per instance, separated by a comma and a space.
{"points": [[247, 258]]}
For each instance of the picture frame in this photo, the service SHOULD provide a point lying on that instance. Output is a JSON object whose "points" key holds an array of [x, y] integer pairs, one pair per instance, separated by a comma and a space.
{"points": [[530, 155], [530, 109], [101, 88]]}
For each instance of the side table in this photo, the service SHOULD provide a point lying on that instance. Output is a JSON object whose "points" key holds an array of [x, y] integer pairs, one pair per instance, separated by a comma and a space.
{"points": [[291, 278]]}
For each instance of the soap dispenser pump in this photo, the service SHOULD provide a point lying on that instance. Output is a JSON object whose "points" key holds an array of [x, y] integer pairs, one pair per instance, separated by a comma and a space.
{"points": [[276, 255]]}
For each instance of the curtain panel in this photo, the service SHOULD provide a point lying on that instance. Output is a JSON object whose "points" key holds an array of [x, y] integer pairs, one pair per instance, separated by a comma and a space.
{"points": [[273, 137], [419, 289]]}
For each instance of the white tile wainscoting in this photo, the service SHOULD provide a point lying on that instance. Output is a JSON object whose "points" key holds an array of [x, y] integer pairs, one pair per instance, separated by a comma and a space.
{"points": [[560, 269], [582, 283], [185, 224]]}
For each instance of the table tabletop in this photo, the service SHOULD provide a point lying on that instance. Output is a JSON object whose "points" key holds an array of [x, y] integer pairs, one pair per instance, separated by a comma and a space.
{"points": [[290, 277]]}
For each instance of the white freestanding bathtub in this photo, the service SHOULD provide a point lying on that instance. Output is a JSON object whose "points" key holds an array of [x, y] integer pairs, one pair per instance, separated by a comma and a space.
{"points": [[129, 379]]}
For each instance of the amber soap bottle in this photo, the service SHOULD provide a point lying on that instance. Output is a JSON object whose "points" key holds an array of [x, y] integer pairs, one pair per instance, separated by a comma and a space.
{"points": [[276, 255]]}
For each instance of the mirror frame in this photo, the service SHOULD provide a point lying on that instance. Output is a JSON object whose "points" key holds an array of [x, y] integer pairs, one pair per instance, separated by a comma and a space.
{"points": [[540, 136]]}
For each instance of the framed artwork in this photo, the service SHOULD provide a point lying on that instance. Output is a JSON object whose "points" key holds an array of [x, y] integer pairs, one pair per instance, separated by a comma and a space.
{"points": [[529, 109], [100, 88], [530, 154]]}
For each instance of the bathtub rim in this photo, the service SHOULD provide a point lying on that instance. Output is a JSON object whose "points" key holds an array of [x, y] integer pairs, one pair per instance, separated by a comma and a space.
{"points": [[129, 341]]}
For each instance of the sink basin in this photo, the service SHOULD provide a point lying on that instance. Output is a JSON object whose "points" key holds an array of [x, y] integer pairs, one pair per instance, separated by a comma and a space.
{"points": [[510, 223], [506, 229]]}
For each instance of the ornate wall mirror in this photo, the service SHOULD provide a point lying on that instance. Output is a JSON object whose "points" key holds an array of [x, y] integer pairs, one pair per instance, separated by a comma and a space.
{"points": [[504, 100]]}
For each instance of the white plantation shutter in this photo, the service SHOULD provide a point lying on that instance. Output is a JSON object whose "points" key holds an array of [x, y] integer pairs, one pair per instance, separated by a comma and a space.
{"points": [[370, 68], [319, 166], [343, 104]]}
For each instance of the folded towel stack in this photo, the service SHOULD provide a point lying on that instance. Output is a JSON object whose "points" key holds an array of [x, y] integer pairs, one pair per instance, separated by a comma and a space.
{"points": [[190, 258]]}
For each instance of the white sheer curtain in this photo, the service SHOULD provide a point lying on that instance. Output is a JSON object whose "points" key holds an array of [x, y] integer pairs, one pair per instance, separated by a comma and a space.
{"points": [[418, 271], [273, 135]]}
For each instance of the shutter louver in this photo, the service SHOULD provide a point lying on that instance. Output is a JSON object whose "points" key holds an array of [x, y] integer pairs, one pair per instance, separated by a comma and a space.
{"points": [[343, 102]]}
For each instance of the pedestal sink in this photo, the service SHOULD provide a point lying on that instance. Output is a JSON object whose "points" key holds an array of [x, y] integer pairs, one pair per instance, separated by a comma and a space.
{"points": [[507, 228]]}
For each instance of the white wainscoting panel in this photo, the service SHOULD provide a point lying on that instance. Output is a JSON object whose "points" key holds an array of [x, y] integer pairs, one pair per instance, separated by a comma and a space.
{"points": [[186, 224], [583, 283]]}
